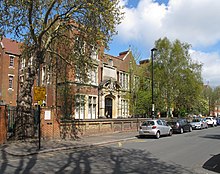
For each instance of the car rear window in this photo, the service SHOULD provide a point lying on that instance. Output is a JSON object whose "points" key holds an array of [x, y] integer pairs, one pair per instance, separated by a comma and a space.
{"points": [[148, 123], [196, 120]]}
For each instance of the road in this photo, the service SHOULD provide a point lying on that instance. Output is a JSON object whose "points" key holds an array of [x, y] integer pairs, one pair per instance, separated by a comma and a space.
{"points": [[189, 150], [180, 154]]}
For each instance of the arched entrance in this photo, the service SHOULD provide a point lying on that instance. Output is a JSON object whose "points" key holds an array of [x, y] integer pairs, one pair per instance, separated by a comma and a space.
{"points": [[108, 107]]}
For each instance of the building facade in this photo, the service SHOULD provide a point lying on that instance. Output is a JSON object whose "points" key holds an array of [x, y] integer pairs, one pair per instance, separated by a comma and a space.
{"points": [[9, 63], [105, 94]]}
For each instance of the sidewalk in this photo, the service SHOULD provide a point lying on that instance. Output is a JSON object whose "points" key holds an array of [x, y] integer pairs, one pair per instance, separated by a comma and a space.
{"points": [[32, 147]]}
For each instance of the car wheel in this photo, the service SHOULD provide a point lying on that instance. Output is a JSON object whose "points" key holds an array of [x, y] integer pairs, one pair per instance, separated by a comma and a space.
{"points": [[170, 133], [157, 135], [181, 130], [190, 129]]}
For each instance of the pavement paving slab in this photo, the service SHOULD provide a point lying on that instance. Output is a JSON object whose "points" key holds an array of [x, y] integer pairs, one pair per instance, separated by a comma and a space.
{"points": [[31, 147]]}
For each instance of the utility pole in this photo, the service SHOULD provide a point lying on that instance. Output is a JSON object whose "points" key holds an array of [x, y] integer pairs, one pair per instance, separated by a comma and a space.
{"points": [[152, 83]]}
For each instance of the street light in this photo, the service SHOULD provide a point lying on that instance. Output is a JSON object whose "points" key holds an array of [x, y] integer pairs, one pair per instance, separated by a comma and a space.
{"points": [[152, 83]]}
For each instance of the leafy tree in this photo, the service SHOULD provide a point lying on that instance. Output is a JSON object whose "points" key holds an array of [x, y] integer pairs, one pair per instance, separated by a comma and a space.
{"points": [[214, 98], [41, 25], [143, 93], [178, 78]]}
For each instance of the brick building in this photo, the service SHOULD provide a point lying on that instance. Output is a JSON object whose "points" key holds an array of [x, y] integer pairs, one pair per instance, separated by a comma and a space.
{"points": [[104, 95], [9, 62]]}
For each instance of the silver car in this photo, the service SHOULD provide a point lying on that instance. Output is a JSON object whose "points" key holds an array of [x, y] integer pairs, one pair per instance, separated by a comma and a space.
{"points": [[199, 123], [155, 128]]}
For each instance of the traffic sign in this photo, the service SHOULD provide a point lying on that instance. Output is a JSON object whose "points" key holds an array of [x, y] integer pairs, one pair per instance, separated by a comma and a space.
{"points": [[39, 93]]}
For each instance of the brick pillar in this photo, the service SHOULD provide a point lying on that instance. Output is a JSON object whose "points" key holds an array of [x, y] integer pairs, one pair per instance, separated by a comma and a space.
{"points": [[3, 124]]}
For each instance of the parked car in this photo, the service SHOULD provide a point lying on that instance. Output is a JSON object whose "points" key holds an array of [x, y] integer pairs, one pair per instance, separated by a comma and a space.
{"points": [[155, 128], [198, 123], [205, 124], [180, 125], [218, 120], [211, 122]]}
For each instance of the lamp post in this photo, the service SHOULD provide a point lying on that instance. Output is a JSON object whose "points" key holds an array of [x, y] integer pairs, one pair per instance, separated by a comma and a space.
{"points": [[152, 83]]}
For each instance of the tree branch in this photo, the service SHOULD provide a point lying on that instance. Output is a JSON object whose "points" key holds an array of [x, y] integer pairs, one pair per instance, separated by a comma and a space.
{"points": [[48, 12], [30, 10], [60, 56]]}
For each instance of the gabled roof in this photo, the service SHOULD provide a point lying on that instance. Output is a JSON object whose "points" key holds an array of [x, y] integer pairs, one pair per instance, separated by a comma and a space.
{"points": [[123, 55], [11, 46]]}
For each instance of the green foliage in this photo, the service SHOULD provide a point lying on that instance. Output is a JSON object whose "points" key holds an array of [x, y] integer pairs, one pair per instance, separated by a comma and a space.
{"points": [[143, 104], [178, 78], [56, 29]]}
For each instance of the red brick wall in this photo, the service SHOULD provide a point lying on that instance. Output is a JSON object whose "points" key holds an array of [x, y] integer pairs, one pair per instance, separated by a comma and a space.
{"points": [[9, 96], [3, 125], [50, 127], [54, 128]]}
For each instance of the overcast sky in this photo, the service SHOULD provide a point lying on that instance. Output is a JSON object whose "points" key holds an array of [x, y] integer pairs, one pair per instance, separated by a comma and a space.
{"points": [[193, 21]]}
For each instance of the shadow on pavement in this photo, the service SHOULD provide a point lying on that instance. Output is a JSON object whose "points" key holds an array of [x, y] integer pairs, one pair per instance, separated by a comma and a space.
{"points": [[213, 164], [96, 159], [212, 136]]}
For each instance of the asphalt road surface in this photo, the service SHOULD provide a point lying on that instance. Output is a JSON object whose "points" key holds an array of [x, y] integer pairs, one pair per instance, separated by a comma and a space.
{"points": [[180, 154], [197, 151]]}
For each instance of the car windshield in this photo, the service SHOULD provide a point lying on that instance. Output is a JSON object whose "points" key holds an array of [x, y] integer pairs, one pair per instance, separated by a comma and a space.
{"points": [[148, 123]]}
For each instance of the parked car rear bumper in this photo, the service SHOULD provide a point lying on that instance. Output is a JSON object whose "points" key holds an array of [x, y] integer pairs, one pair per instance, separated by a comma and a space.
{"points": [[148, 132], [196, 126]]}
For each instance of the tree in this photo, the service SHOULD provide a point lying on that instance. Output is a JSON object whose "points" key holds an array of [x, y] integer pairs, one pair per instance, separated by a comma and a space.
{"points": [[214, 99], [178, 78], [143, 93], [41, 25]]}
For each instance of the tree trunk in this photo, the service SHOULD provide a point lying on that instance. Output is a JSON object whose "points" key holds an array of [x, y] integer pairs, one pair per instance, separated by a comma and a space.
{"points": [[24, 127]]}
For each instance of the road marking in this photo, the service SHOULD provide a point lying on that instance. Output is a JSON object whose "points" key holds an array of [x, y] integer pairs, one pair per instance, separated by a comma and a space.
{"points": [[139, 141], [119, 144]]}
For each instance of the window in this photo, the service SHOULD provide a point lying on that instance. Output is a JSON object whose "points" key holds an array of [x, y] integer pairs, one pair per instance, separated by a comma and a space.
{"points": [[159, 122], [78, 75], [124, 80], [80, 46], [136, 82], [80, 107], [92, 107], [94, 54], [93, 76], [124, 108], [11, 63], [110, 62], [11, 82], [22, 63], [90, 78]]}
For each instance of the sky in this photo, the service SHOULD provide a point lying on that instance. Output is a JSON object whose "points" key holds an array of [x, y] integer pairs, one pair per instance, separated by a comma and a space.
{"points": [[195, 22]]}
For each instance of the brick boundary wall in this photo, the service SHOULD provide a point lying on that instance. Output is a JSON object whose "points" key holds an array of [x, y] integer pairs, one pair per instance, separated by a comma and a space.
{"points": [[54, 128], [3, 124]]}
